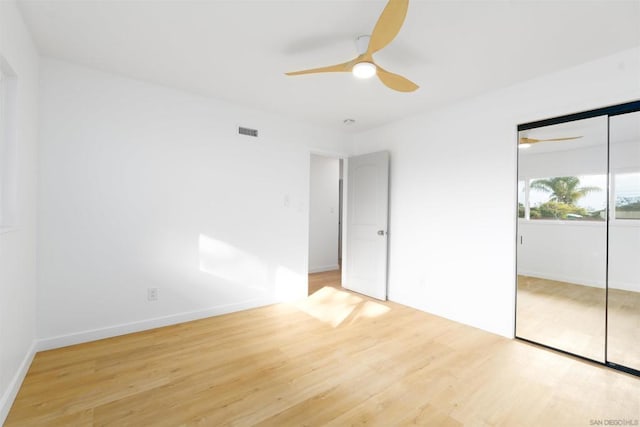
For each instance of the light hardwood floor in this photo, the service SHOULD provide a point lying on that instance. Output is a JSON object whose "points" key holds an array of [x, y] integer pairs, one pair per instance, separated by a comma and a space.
{"points": [[571, 317], [336, 358], [563, 315], [623, 345], [318, 281]]}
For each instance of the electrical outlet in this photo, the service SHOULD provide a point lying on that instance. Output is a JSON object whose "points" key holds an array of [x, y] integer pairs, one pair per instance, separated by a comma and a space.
{"points": [[152, 294]]}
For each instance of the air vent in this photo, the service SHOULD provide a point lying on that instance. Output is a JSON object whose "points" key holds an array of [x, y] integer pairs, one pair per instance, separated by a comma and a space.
{"points": [[247, 131]]}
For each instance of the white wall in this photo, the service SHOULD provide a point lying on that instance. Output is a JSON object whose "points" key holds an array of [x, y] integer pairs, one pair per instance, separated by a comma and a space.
{"points": [[585, 161], [573, 252], [17, 244], [624, 248], [624, 234], [576, 251], [323, 213], [453, 189], [145, 186]]}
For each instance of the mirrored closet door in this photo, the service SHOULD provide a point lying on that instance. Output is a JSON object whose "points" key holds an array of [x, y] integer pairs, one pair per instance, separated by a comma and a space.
{"points": [[623, 326], [562, 173], [578, 248]]}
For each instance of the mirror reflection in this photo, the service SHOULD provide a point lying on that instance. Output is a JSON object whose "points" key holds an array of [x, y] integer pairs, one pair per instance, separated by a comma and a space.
{"points": [[562, 236], [624, 242]]}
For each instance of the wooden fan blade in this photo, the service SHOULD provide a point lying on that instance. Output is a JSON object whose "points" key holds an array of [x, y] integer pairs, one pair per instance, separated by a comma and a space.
{"points": [[525, 140], [388, 24], [395, 81], [338, 68]]}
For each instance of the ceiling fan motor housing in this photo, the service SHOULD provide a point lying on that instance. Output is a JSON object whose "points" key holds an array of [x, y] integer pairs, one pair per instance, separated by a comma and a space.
{"points": [[362, 44]]}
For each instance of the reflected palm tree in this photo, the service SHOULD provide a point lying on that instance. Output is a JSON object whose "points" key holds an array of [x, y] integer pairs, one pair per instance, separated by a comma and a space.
{"points": [[563, 189]]}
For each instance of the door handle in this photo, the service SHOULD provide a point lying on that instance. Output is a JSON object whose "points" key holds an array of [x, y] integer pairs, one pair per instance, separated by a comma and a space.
{"points": [[380, 232]]}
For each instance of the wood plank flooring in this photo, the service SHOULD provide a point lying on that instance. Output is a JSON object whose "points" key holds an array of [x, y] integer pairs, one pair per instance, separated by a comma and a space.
{"points": [[336, 358], [318, 281], [623, 328], [571, 317], [562, 315]]}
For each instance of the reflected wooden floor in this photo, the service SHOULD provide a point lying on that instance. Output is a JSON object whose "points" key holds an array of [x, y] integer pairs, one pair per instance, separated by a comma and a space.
{"points": [[563, 315], [623, 341], [571, 317], [335, 358]]}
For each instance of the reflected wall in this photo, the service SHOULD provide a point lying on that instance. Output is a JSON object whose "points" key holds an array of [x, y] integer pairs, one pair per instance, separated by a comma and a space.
{"points": [[624, 242]]}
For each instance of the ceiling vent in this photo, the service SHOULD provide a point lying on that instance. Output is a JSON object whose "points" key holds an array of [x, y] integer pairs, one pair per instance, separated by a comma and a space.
{"points": [[247, 131]]}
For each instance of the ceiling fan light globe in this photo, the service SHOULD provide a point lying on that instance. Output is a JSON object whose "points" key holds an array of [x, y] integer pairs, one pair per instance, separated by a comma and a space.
{"points": [[364, 70]]}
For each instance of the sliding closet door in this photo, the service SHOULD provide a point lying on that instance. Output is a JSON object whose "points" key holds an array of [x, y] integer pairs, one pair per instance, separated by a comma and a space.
{"points": [[562, 236], [623, 340]]}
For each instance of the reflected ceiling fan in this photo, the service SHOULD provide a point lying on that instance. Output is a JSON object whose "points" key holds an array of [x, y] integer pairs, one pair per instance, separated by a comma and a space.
{"points": [[525, 140], [363, 66]]}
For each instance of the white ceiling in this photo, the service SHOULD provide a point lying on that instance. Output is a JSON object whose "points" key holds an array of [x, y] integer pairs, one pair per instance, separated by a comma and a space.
{"points": [[238, 50], [590, 132], [594, 131]]}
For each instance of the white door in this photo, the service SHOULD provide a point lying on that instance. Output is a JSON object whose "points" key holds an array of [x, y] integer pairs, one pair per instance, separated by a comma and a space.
{"points": [[367, 218]]}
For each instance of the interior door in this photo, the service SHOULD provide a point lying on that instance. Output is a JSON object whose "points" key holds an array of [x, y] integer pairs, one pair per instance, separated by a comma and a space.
{"points": [[367, 220]]}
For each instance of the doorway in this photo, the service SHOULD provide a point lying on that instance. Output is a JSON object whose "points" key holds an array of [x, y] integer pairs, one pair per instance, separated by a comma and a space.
{"points": [[325, 222], [364, 201]]}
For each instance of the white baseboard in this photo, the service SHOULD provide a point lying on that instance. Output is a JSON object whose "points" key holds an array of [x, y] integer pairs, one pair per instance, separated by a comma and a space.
{"points": [[143, 325], [624, 286], [613, 284], [417, 304], [324, 268], [563, 278], [111, 331], [16, 382]]}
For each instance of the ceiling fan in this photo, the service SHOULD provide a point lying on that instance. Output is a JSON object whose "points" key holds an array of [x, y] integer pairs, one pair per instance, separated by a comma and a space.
{"points": [[525, 140], [363, 66]]}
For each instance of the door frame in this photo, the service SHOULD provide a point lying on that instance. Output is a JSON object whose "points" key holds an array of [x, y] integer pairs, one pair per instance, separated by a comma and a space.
{"points": [[343, 240]]}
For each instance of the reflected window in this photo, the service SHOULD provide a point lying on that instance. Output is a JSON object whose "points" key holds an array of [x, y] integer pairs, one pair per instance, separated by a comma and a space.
{"points": [[627, 195], [521, 200], [572, 198]]}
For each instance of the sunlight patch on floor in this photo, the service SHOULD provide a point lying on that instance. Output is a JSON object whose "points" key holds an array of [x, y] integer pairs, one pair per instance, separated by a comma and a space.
{"points": [[336, 307]]}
